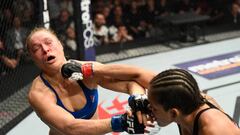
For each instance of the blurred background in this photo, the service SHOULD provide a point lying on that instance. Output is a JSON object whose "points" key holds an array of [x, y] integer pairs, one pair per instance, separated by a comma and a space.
{"points": [[115, 30]]}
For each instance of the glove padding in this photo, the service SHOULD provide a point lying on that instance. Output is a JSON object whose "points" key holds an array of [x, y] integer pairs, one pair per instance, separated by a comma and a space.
{"points": [[139, 103], [76, 71], [130, 124]]}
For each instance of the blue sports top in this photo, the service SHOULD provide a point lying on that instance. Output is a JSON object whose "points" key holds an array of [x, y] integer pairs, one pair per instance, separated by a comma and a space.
{"points": [[90, 107]]}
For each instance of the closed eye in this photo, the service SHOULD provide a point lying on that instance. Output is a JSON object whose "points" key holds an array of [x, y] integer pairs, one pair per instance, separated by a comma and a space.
{"points": [[48, 42], [35, 48]]}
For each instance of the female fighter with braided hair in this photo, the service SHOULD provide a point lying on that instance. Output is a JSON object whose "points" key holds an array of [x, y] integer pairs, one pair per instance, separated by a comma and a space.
{"points": [[174, 96], [69, 106]]}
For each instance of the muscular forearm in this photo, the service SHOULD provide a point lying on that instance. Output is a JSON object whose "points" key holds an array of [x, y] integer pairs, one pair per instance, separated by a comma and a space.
{"points": [[135, 88], [124, 72], [114, 71], [88, 127]]}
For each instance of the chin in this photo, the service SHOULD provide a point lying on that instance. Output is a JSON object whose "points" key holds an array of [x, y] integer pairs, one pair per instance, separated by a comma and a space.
{"points": [[161, 124]]}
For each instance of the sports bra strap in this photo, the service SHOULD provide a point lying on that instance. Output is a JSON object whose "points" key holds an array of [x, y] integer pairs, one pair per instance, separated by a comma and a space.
{"points": [[82, 85], [180, 129], [195, 126], [48, 84], [90, 107], [213, 106]]}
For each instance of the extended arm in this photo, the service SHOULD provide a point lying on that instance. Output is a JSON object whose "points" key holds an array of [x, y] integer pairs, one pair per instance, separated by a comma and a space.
{"points": [[114, 71], [128, 87], [124, 72]]}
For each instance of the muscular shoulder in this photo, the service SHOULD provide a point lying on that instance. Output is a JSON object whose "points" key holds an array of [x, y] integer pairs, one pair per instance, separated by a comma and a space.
{"points": [[37, 83], [215, 122], [39, 93]]}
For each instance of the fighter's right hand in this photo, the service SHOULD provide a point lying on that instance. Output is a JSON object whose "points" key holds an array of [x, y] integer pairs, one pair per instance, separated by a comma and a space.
{"points": [[128, 123], [140, 105], [76, 71]]}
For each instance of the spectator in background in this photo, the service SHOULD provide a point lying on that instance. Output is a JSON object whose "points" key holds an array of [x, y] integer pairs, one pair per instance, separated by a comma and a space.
{"points": [[116, 19], [25, 9], [54, 8], [8, 61], [61, 24], [100, 30], [16, 36], [122, 35], [236, 10], [98, 6], [125, 4], [6, 21], [148, 14], [133, 20], [70, 47], [67, 4], [19, 6], [149, 11], [28, 18], [106, 13], [144, 28], [117, 16]]}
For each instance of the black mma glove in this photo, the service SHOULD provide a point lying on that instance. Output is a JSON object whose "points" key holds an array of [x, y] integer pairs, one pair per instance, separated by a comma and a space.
{"points": [[130, 124], [139, 103], [75, 70]]}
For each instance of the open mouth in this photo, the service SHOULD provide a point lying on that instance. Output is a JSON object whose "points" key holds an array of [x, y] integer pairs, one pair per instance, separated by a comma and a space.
{"points": [[50, 58]]}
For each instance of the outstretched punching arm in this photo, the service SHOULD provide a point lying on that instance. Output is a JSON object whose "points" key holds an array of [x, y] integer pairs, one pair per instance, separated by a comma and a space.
{"points": [[125, 72], [116, 71]]}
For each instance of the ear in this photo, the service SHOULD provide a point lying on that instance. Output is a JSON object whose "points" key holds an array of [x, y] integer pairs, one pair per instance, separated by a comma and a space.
{"points": [[174, 113]]}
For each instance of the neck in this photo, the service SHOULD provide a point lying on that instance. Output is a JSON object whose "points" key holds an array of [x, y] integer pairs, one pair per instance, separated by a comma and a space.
{"points": [[187, 121], [57, 80], [55, 77]]}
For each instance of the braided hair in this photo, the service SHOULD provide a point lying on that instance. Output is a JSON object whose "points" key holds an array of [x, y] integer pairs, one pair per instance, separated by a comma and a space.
{"points": [[176, 88]]}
